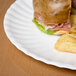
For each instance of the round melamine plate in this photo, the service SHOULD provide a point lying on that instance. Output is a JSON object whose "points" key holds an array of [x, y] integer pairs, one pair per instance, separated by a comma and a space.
{"points": [[23, 33]]}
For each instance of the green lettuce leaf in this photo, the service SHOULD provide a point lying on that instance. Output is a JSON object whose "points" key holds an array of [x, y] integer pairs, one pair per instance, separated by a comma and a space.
{"points": [[41, 28]]}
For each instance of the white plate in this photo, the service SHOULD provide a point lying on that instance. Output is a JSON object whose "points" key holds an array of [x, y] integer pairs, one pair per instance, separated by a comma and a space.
{"points": [[27, 38]]}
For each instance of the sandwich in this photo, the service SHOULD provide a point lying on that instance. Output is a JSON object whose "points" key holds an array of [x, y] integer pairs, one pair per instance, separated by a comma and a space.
{"points": [[52, 16]]}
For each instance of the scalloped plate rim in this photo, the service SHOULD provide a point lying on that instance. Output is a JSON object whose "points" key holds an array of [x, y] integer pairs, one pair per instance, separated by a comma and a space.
{"points": [[31, 54]]}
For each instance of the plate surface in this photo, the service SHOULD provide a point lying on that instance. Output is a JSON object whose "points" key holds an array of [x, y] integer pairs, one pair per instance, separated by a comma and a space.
{"points": [[26, 37]]}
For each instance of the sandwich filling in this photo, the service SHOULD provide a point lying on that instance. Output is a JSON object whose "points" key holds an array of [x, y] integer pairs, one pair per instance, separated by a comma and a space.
{"points": [[66, 26]]}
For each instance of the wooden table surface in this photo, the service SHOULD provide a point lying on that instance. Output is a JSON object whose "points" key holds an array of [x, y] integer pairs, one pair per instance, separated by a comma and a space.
{"points": [[15, 63]]}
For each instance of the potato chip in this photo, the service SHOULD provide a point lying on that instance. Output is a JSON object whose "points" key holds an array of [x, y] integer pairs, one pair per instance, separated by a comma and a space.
{"points": [[73, 19], [72, 35], [66, 43], [73, 29]]}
